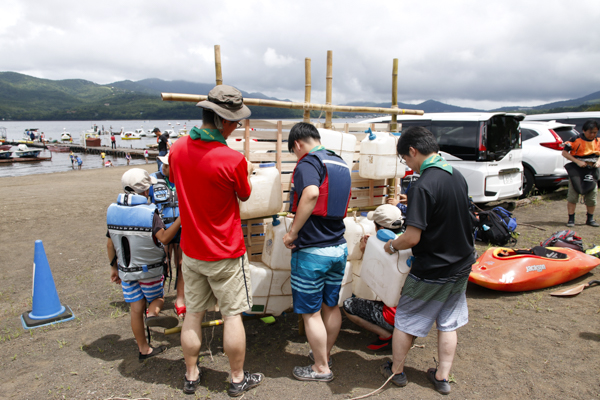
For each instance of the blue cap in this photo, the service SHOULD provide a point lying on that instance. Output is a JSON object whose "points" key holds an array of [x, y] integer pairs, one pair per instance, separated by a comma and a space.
{"points": [[266, 165], [385, 235]]}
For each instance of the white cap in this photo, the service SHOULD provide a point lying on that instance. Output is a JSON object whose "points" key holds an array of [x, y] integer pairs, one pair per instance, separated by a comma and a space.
{"points": [[386, 215], [164, 159], [137, 180]]}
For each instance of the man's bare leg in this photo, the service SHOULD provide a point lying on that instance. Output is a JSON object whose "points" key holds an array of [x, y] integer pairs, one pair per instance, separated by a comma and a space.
{"points": [[191, 340], [234, 345]]}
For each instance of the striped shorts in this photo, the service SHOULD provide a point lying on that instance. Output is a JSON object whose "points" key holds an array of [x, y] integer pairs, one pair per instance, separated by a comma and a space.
{"points": [[425, 301], [317, 274], [150, 289]]}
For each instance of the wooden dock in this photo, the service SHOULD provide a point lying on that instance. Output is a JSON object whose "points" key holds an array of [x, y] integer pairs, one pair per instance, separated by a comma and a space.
{"points": [[78, 148]]}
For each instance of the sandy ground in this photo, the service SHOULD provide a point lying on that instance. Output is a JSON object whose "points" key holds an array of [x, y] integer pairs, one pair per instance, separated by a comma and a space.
{"points": [[517, 345]]}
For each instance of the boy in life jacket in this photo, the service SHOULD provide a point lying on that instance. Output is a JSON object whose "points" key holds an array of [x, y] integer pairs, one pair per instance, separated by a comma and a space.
{"points": [[135, 233], [583, 151], [372, 315], [164, 195], [321, 192]]}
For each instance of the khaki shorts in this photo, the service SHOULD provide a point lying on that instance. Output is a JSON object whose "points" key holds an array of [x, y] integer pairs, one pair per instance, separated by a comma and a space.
{"points": [[225, 281], [573, 196]]}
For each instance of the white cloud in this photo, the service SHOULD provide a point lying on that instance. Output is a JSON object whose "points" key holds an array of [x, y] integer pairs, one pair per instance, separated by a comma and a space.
{"points": [[272, 59]]}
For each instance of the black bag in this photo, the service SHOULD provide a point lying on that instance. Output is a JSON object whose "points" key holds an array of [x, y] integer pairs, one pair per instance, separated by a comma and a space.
{"points": [[493, 229]]}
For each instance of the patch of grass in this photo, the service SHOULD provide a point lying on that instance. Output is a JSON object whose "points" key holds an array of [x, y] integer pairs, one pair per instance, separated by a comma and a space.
{"points": [[451, 378], [61, 343]]}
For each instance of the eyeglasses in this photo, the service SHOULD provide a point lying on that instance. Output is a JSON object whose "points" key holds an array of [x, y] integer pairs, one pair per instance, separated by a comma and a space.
{"points": [[402, 160], [239, 125]]}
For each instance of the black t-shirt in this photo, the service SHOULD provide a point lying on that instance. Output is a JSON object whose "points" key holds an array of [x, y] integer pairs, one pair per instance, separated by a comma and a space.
{"points": [[438, 204], [317, 231], [162, 142]]}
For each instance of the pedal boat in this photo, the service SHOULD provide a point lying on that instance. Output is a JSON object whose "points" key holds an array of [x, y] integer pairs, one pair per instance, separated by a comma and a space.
{"points": [[510, 270]]}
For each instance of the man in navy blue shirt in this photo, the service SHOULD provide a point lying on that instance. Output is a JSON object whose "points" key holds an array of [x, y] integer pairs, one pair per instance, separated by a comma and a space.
{"points": [[321, 192]]}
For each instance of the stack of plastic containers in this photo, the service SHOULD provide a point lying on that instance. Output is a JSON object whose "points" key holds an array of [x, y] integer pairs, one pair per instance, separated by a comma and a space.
{"points": [[266, 197], [271, 285], [356, 228], [378, 158]]}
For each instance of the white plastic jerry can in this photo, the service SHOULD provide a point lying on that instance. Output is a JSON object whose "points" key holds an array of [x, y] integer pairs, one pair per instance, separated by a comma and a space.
{"points": [[359, 287], [266, 197], [275, 255], [271, 290], [342, 144], [346, 289], [356, 228], [378, 158], [385, 273]]}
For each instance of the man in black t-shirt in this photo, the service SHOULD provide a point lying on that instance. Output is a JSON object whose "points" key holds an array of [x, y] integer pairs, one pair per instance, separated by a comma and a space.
{"points": [[163, 145], [440, 233]]}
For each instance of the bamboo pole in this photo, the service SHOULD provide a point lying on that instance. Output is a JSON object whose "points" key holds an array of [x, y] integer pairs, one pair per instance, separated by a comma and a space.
{"points": [[307, 87], [218, 71], [394, 124], [296, 106], [329, 88]]}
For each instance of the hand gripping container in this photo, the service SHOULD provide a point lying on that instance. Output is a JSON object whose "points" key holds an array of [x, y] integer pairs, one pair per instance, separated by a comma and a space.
{"points": [[275, 255], [266, 197], [271, 290], [356, 228], [342, 144], [385, 273], [378, 158]]}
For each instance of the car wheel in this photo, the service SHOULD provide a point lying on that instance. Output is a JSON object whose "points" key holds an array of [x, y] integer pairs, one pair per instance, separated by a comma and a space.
{"points": [[528, 182]]}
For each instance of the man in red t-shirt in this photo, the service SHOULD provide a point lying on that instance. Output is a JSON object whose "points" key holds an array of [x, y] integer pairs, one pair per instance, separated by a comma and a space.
{"points": [[210, 179]]}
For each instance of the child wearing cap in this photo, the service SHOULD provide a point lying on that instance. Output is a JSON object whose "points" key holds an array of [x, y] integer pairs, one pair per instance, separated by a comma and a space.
{"points": [[375, 316], [135, 233]]}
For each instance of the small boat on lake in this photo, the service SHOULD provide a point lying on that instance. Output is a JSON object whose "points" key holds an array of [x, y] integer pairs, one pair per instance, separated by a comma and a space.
{"points": [[66, 137], [140, 132], [129, 136], [58, 148], [171, 133], [5, 154], [25, 151]]}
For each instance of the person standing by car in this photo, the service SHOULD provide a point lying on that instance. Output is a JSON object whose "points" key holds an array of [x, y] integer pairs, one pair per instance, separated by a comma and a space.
{"points": [[440, 233], [210, 179], [583, 151], [321, 192], [163, 145]]}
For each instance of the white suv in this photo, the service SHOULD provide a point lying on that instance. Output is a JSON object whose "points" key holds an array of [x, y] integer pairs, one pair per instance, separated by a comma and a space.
{"points": [[543, 163]]}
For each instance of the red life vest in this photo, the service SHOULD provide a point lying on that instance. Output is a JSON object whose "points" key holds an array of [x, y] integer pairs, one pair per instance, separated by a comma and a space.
{"points": [[334, 191]]}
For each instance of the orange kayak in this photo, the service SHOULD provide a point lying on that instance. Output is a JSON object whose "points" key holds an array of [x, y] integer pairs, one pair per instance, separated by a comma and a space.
{"points": [[512, 270]]}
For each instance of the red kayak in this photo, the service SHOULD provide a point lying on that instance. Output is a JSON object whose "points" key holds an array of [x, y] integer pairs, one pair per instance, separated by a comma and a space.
{"points": [[512, 270]]}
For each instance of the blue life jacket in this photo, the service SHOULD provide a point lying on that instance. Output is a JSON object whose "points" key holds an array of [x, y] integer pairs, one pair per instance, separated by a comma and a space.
{"points": [[334, 191], [139, 254], [165, 199]]}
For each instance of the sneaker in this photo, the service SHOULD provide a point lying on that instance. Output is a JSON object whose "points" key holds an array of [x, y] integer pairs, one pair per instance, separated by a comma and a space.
{"points": [[398, 379], [250, 381], [441, 386], [593, 223], [571, 223], [307, 374], [312, 358], [380, 343], [189, 387]]}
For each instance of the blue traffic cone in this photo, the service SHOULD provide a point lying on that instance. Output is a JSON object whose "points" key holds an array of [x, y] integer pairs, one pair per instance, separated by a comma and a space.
{"points": [[46, 307]]}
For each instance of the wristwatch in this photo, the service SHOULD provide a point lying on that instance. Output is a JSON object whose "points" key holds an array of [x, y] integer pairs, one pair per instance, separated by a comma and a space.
{"points": [[392, 248]]}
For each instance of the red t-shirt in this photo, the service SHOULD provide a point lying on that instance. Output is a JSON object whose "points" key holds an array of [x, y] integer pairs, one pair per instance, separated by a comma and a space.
{"points": [[209, 177]]}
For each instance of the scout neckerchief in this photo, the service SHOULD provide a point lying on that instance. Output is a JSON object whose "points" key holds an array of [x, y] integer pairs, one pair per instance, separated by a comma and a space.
{"points": [[438, 162], [207, 135], [317, 148]]}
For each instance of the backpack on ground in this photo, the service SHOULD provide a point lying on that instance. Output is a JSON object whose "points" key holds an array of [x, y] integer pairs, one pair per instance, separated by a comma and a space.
{"points": [[566, 238], [496, 226]]}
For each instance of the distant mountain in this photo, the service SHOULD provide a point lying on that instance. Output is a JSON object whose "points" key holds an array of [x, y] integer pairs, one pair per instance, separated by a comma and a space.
{"points": [[580, 104], [429, 106]]}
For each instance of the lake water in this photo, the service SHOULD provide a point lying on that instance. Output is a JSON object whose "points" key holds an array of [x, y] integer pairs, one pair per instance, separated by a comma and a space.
{"points": [[61, 161]]}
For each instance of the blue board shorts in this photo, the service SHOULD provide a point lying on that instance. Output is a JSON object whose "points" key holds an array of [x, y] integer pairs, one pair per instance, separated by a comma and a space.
{"points": [[150, 289], [317, 274]]}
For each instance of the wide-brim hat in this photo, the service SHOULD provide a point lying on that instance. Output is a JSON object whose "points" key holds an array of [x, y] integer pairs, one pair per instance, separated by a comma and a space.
{"points": [[164, 159], [137, 180], [227, 102], [387, 215]]}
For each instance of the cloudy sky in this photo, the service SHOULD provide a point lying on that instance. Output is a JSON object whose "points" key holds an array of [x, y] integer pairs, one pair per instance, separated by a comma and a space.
{"points": [[478, 53]]}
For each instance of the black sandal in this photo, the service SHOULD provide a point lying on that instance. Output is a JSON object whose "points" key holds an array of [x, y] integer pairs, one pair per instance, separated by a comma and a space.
{"points": [[155, 351], [189, 387]]}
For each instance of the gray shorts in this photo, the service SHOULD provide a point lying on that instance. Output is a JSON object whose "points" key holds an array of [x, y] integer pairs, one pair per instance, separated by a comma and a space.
{"points": [[573, 196], [425, 301]]}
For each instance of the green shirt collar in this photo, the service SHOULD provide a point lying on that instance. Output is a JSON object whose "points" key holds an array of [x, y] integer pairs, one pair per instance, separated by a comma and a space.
{"points": [[207, 135], [438, 162]]}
